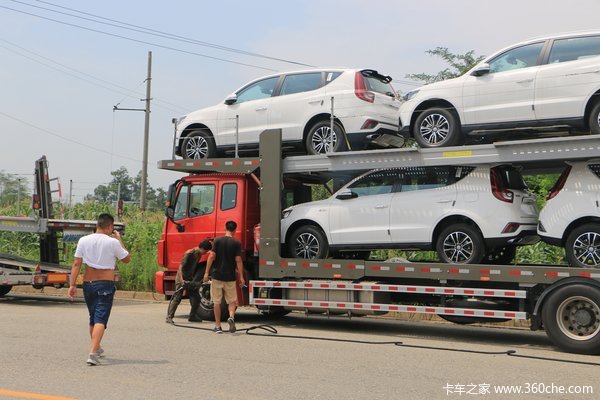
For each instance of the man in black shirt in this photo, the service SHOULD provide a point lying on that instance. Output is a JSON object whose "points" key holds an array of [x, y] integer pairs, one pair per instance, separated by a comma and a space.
{"points": [[225, 258], [189, 278]]}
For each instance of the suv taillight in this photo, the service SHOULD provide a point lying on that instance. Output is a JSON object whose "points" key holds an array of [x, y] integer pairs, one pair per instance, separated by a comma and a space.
{"points": [[360, 88], [560, 183], [498, 190]]}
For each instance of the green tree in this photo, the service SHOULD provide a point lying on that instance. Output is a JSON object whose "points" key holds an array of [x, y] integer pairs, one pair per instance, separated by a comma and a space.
{"points": [[459, 64]]}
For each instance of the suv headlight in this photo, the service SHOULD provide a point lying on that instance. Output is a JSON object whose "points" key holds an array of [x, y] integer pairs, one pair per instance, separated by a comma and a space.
{"points": [[286, 213], [410, 95]]}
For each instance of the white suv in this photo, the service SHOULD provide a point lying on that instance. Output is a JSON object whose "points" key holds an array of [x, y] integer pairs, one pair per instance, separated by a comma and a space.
{"points": [[467, 214], [571, 216], [549, 83], [299, 103]]}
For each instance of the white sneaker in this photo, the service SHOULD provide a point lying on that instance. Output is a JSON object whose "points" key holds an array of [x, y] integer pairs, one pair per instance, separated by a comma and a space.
{"points": [[100, 352], [93, 359]]}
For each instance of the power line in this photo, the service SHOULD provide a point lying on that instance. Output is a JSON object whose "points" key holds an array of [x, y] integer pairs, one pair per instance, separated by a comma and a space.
{"points": [[139, 41], [82, 73], [66, 138], [158, 33]]}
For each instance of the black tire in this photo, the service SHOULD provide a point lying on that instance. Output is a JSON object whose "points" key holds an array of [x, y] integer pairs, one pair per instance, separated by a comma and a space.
{"points": [[4, 289], [583, 246], [198, 145], [317, 139], [594, 121], [571, 318], [437, 127], [308, 242], [503, 255], [460, 244]]}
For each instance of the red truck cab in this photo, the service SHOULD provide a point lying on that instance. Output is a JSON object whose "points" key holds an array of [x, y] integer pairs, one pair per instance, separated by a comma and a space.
{"points": [[198, 208]]}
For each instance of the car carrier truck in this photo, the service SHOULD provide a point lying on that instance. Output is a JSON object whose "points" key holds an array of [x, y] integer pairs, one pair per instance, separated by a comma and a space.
{"points": [[46, 271], [562, 300]]}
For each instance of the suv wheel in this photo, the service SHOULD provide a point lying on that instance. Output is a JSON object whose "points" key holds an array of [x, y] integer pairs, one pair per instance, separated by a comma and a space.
{"points": [[320, 140], [594, 121], [308, 242], [198, 145], [460, 244], [437, 127], [583, 246]]}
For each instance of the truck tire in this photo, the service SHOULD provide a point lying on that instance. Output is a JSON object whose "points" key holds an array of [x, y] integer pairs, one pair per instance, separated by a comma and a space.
{"points": [[308, 242], [594, 121], [318, 138], [4, 289], [582, 246], [198, 145], [571, 318], [437, 127], [460, 244]]}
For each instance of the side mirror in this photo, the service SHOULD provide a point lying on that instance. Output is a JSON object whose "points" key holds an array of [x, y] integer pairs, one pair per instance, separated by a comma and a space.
{"points": [[346, 195], [169, 212], [482, 69], [231, 99]]}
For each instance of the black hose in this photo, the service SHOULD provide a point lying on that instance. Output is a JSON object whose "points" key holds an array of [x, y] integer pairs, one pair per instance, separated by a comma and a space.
{"points": [[272, 332]]}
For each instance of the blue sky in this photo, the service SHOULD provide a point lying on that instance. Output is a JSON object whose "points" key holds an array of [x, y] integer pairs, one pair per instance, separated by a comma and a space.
{"points": [[390, 36]]}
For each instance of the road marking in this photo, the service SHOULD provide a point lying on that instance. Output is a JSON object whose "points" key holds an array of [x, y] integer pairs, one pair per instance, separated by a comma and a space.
{"points": [[32, 395]]}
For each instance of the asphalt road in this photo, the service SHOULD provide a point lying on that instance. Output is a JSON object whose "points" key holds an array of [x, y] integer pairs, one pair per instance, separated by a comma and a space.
{"points": [[44, 345]]}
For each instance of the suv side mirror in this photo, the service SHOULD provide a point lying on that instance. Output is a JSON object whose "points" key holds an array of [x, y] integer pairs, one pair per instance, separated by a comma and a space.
{"points": [[346, 195], [482, 69], [231, 99]]}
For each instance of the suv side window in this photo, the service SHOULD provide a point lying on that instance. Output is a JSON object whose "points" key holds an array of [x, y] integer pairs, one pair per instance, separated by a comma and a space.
{"points": [[520, 57], [181, 204], [258, 90], [421, 178], [379, 182], [299, 83], [202, 200], [574, 49]]}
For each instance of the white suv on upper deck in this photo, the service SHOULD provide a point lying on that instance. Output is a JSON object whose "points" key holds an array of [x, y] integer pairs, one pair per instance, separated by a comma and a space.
{"points": [[467, 214], [299, 103], [547, 83]]}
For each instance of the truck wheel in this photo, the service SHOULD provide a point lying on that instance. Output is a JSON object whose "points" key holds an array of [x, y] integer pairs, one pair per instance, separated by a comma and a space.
{"points": [[460, 244], [198, 145], [583, 246], [320, 140], [571, 318], [503, 255], [594, 120], [308, 242], [206, 308], [4, 289], [437, 127]]}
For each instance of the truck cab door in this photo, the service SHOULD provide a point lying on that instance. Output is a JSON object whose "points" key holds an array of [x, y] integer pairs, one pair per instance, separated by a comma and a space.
{"points": [[195, 220]]}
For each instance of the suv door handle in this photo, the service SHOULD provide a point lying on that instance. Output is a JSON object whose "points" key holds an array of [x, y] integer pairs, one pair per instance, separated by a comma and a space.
{"points": [[381, 206], [445, 201], [525, 80], [315, 101], [261, 108]]}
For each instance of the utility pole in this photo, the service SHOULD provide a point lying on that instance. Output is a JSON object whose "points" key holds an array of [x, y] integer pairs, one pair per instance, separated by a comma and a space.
{"points": [[19, 197], [144, 182], [118, 199], [146, 134]]}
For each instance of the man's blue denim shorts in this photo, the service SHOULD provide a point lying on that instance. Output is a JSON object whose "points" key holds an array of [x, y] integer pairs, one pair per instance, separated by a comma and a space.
{"points": [[99, 299]]}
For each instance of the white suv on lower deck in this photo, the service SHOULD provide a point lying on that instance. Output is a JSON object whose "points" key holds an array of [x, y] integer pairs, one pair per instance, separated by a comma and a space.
{"points": [[571, 216], [550, 83], [467, 214], [365, 106]]}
